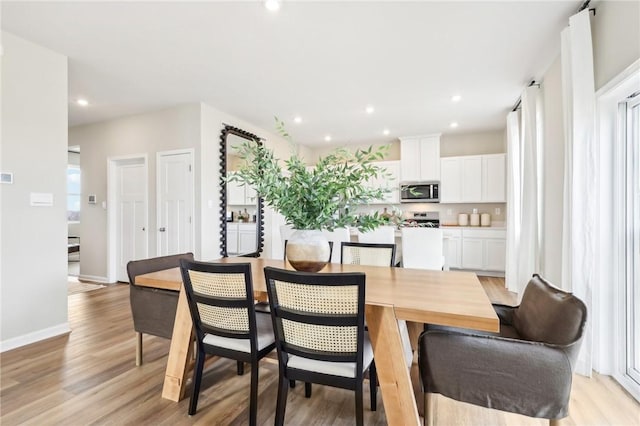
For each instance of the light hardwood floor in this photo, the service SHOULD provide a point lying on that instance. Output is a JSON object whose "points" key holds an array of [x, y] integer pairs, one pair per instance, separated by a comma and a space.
{"points": [[90, 377]]}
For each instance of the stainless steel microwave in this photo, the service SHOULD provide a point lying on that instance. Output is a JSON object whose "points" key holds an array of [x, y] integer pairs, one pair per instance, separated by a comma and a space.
{"points": [[422, 192]]}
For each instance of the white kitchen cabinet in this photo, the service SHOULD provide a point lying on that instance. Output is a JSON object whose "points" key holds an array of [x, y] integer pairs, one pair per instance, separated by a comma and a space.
{"points": [[247, 239], [483, 249], [473, 179], [391, 181], [450, 180], [495, 255], [452, 247], [232, 238], [420, 158], [494, 180], [239, 194], [241, 238]]}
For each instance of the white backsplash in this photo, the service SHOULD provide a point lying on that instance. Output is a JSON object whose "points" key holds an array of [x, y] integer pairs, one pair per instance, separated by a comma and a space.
{"points": [[448, 212]]}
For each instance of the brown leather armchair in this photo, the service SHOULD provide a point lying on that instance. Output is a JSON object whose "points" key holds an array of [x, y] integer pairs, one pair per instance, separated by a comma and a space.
{"points": [[153, 309], [526, 368]]}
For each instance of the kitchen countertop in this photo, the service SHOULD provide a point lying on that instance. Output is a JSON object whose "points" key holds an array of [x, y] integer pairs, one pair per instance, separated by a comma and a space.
{"points": [[496, 227]]}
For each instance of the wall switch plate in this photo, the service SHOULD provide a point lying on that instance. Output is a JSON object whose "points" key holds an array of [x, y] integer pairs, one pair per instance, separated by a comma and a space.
{"points": [[498, 210], [41, 199]]}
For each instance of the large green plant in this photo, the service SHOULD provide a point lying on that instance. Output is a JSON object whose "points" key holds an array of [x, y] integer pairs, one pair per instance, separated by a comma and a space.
{"points": [[318, 197]]}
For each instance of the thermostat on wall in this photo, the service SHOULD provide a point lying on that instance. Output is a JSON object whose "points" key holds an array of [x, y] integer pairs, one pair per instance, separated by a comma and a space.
{"points": [[92, 199], [6, 177]]}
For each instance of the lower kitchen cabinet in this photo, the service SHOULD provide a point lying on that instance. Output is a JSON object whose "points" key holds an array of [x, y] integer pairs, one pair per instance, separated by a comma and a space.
{"points": [[484, 249], [241, 238], [452, 247]]}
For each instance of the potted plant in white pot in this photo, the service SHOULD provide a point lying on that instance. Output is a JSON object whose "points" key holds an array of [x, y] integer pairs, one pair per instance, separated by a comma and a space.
{"points": [[313, 199]]}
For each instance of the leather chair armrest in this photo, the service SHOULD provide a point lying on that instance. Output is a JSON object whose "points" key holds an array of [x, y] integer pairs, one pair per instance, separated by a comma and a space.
{"points": [[505, 313], [530, 378]]}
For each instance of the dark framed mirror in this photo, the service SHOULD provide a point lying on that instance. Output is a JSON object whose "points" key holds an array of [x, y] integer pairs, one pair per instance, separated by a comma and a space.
{"points": [[241, 210]]}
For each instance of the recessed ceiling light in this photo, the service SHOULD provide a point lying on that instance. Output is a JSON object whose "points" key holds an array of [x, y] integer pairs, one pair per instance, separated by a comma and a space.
{"points": [[297, 119], [453, 124], [82, 102], [272, 5], [327, 138], [385, 132], [456, 98], [369, 109]]}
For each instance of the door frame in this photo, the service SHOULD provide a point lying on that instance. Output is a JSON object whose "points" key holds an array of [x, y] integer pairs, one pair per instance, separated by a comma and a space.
{"points": [[192, 183], [112, 229]]}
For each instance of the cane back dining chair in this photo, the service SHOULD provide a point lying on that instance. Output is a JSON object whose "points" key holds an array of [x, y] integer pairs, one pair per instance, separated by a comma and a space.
{"points": [[221, 303], [153, 309], [526, 368], [318, 319], [377, 255], [368, 254]]}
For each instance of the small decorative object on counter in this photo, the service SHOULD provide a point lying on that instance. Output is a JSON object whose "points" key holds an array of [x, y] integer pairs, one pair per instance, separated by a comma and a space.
{"points": [[386, 216], [463, 219], [485, 219], [474, 218]]}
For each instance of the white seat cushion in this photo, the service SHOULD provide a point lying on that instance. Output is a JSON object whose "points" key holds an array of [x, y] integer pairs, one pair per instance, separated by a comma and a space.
{"points": [[343, 369], [265, 336]]}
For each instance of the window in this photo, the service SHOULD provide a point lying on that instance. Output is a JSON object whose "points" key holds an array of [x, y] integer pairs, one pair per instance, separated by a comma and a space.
{"points": [[630, 114], [73, 193]]}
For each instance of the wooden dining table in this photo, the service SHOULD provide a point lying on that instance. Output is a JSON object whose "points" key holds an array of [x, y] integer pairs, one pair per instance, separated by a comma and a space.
{"points": [[448, 298]]}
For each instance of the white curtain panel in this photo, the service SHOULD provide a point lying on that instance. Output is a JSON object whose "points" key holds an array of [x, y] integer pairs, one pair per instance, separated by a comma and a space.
{"points": [[580, 188], [528, 251], [513, 200]]}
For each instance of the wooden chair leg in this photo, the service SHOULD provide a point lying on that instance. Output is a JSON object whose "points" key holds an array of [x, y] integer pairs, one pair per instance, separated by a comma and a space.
{"points": [[197, 379], [359, 404], [138, 349], [307, 390], [253, 399], [281, 405], [373, 386], [555, 422]]}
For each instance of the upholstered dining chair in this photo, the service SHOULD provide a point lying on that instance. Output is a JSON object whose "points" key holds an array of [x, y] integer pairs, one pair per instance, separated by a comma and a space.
{"points": [[526, 368], [422, 248], [318, 319], [153, 309], [380, 235], [337, 236], [226, 324]]}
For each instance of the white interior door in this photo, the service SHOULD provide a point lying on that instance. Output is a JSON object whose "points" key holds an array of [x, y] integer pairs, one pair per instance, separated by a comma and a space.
{"points": [[175, 202], [131, 214]]}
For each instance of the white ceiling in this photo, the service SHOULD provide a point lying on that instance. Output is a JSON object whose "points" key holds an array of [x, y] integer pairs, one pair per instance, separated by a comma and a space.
{"points": [[324, 61]]}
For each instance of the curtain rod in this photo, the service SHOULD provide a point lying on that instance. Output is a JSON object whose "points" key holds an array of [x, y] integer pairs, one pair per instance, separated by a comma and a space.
{"points": [[519, 101]]}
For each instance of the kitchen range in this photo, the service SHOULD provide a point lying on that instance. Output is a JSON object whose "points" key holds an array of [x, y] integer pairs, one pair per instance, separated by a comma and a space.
{"points": [[422, 219]]}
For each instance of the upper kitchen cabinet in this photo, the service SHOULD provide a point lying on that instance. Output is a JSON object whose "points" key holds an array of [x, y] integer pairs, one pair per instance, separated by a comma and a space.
{"points": [[420, 158], [473, 179]]}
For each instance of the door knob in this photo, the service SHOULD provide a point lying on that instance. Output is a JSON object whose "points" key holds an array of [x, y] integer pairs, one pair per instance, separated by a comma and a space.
{"points": [[163, 229]]}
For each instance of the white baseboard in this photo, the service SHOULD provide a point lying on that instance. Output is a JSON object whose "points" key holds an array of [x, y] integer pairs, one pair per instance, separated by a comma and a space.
{"points": [[94, 278], [35, 336]]}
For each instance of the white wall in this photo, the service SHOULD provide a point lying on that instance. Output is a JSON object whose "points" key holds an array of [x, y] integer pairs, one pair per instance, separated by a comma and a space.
{"points": [[553, 174], [33, 255], [169, 129], [616, 38], [475, 143]]}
